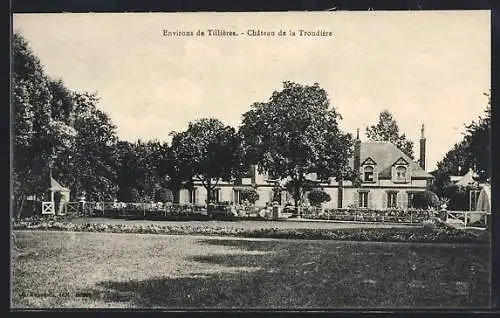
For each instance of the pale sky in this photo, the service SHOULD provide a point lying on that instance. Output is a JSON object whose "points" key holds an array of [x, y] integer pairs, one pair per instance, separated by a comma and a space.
{"points": [[428, 67]]}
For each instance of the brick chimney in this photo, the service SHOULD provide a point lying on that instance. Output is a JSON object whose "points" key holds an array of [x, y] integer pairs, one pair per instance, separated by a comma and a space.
{"points": [[357, 153], [422, 148]]}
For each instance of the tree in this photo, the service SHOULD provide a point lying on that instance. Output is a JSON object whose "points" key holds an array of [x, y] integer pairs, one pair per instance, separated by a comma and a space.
{"points": [[249, 195], [60, 131], [41, 131], [294, 134], [210, 151], [174, 174], [128, 194], [147, 175], [91, 163], [388, 130], [303, 187], [318, 197], [472, 152]]}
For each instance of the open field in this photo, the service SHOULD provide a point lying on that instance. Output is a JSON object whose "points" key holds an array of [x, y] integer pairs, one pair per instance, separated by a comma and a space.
{"points": [[68, 269]]}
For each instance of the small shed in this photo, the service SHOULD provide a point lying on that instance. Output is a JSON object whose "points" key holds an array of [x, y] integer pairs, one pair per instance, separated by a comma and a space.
{"points": [[59, 195]]}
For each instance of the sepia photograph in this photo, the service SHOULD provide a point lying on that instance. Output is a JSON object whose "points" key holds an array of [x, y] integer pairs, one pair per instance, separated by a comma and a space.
{"points": [[251, 160]]}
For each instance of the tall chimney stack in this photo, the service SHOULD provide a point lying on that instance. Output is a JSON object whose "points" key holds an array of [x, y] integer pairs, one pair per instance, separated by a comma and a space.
{"points": [[357, 153], [422, 148]]}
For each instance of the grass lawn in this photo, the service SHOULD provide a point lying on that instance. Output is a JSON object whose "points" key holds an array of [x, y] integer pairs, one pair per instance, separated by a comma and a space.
{"points": [[68, 269]]}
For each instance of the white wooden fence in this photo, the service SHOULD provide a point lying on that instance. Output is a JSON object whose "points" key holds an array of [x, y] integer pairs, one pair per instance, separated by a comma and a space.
{"points": [[71, 207], [468, 218], [48, 208]]}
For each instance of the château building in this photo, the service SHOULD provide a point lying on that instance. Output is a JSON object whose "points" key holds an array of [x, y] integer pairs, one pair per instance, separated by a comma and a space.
{"points": [[389, 179]]}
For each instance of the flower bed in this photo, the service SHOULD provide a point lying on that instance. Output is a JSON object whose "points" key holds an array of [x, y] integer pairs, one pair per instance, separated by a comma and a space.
{"points": [[367, 215], [441, 233]]}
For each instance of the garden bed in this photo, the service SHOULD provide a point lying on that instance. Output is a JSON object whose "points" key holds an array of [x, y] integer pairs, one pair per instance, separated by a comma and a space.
{"points": [[410, 216], [441, 233]]}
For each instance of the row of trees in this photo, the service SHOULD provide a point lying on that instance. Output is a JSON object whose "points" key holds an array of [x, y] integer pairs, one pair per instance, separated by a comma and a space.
{"points": [[59, 131]]}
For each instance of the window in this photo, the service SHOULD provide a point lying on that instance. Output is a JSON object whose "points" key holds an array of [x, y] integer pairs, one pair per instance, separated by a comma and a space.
{"points": [[368, 174], [237, 196], [192, 196], [363, 199], [411, 196], [215, 196], [392, 198], [401, 173]]}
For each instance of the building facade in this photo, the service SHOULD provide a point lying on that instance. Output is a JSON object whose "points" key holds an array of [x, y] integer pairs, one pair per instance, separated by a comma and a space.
{"points": [[389, 179]]}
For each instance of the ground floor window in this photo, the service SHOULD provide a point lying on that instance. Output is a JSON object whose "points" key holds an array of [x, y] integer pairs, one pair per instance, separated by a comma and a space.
{"points": [[411, 196], [237, 196], [363, 199], [215, 197], [392, 199], [192, 195]]}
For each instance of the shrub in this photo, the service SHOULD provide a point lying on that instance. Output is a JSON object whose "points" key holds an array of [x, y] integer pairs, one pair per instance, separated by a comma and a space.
{"points": [[459, 197], [164, 195], [128, 194], [317, 197], [249, 195], [429, 225], [423, 200]]}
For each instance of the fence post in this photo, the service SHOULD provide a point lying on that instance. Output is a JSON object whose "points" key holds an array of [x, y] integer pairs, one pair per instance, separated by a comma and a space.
{"points": [[465, 218], [411, 217]]}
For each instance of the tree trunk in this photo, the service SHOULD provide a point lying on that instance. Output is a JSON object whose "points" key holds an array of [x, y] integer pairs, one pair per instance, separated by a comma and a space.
{"points": [[297, 195], [208, 187], [175, 194], [19, 207]]}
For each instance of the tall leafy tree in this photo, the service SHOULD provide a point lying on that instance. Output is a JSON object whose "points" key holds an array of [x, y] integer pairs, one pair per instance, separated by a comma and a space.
{"points": [[175, 174], [58, 130], [41, 129], [294, 134], [210, 150], [147, 176], [472, 152], [90, 165], [388, 130], [477, 139]]}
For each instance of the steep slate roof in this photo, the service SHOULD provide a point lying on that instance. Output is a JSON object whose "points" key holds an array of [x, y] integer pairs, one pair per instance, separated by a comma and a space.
{"points": [[385, 154]]}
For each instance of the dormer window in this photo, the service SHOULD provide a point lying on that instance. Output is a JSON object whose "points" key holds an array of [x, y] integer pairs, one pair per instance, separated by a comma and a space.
{"points": [[401, 173], [368, 174], [367, 170]]}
